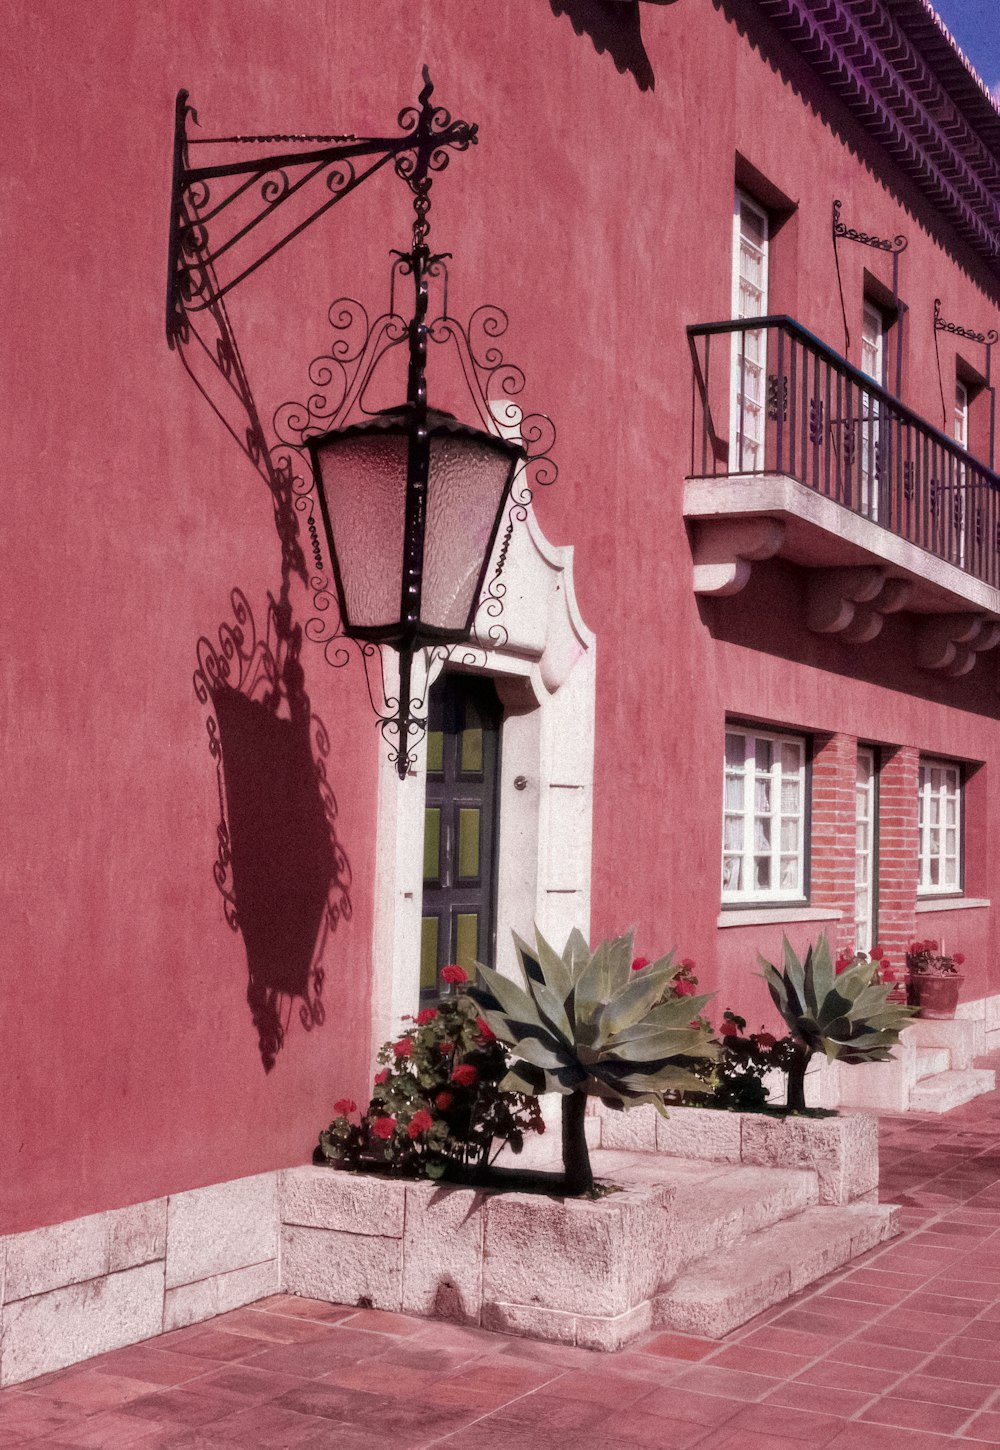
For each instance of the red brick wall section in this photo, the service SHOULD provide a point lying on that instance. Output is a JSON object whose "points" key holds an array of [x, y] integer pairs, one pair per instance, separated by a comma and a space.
{"points": [[898, 846], [832, 861]]}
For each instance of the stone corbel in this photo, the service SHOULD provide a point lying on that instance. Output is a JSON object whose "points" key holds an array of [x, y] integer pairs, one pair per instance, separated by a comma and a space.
{"points": [[724, 549], [853, 603], [949, 643]]}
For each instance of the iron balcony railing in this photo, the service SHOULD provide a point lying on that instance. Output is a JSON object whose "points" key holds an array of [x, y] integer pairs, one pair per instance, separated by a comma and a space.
{"points": [[772, 398]]}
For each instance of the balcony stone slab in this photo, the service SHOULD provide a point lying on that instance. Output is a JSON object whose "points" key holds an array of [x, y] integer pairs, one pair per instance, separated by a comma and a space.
{"points": [[870, 568]]}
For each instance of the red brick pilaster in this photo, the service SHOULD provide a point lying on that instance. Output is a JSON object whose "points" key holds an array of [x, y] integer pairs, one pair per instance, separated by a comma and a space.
{"points": [[834, 772], [898, 846]]}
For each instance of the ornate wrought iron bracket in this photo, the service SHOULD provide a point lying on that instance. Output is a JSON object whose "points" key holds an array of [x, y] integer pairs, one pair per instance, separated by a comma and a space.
{"points": [[230, 217], [988, 340], [893, 245]]}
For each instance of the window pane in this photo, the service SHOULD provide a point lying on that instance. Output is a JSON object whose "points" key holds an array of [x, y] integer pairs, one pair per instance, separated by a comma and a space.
{"points": [[762, 795], [468, 843], [790, 872], [764, 755], [472, 752], [467, 939], [762, 871], [734, 793], [789, 836], [432, 844], [736, 749], [428, 953], [791, 759], [435, 752], [762, 833], [790, 799], [732, 873], [732, 836]]}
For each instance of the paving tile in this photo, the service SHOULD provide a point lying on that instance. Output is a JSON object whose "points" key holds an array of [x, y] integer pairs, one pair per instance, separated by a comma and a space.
{"points": [[108, 1430], [840, 1401], [984, 1427], [268, 1427], [669, 1403], [801, 1426], [187, 1407], [974, 1344], [24, 1418], [974, 1371], [208, 1343], [942, 1391], [150, 1364], [89, 1391], [836, 1375], [734, 1383], [759, 1361], [680, 1346], [916, 1415], [381, 1321]]}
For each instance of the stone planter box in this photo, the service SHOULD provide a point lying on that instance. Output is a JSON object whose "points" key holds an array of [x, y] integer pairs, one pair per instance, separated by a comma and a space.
{"points": [[842, 1151], [576, 1271]]}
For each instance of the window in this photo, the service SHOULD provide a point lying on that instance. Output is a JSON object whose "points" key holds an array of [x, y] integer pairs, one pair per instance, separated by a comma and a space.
{"points": [[959, 472], [939, 816], [865, 848], [763, 840], [460, 826], [750, 233], [873, 365]]}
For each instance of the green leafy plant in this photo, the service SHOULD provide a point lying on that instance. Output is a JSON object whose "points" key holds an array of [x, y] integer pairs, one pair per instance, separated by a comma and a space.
{"points": [[437, 1106], [843, 1011], [602, 1023]]}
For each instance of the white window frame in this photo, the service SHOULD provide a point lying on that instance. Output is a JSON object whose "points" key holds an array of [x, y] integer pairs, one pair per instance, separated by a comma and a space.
{"points": [[748, 852], [865, 845], [872, 334], [946, 791], [960, 431], [753, 450]]}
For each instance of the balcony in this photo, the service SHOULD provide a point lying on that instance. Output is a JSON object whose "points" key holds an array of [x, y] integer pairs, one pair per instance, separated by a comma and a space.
{"points": [[797, 454]]}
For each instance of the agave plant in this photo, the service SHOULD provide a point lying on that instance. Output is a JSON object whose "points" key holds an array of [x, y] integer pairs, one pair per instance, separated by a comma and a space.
{"points": [[843, 1012], [586, 1024]]}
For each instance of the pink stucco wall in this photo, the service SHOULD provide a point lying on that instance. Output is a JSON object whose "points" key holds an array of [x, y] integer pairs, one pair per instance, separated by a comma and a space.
{"points": [[599, 216]]}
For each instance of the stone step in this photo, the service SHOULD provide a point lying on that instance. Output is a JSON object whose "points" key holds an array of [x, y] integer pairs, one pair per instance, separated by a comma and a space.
{"points": [[718, 1293], [930, 1061], [711, 1205], [947, 1090]]}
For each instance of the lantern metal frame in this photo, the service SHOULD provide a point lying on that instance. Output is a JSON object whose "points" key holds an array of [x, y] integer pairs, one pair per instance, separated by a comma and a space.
{"points": [[216, 211]]}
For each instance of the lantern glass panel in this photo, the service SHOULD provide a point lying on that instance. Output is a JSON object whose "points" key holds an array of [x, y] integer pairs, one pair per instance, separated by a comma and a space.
{"points": [[364, 482], [465, 488]]}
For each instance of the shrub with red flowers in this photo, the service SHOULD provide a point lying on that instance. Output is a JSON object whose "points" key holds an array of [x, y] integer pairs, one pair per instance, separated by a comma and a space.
{"points": [[926, 959], [436, 1104]]}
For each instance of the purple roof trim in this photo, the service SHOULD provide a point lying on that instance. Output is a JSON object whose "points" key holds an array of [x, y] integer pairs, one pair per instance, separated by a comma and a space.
{"points": [[892, 63]]}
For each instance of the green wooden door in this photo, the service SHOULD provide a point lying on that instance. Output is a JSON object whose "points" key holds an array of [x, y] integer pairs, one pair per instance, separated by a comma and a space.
{"points": [[464, 716]]}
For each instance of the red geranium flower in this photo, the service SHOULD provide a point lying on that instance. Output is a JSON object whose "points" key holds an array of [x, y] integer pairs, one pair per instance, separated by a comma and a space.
{"points": [[345, 1107], [454, 974], [877, 953], [381, 1077], [403, 1048], [465, 1074], [729, 1029], [419, 1123], [485, 1030], [443, 1101], [446, 1047], [765, 1040], [688, 964], [684, 989], [427, 1014], [384, 1127], [639, 962], [958, 958]]}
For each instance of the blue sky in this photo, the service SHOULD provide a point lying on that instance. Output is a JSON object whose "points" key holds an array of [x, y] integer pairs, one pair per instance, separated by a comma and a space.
{"points": [[975, 24]]}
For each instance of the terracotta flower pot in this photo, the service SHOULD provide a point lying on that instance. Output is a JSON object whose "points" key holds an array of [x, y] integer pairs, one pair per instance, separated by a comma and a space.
{"points": [[935, 996]]}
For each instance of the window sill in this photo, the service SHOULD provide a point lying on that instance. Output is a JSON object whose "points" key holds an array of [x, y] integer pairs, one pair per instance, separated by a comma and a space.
{"points": [[774, 915], [950, 903]]}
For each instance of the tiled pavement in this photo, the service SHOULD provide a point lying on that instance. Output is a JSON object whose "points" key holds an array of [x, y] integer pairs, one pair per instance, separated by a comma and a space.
{"points": [[901, 1351]]}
